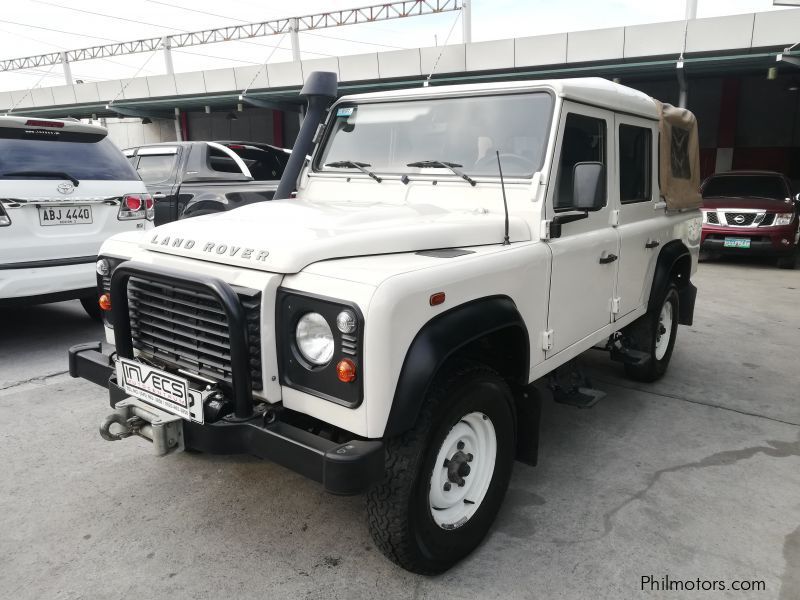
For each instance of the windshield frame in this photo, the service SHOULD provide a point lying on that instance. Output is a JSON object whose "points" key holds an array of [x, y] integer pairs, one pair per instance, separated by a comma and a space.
{"points": [[423, 175]]}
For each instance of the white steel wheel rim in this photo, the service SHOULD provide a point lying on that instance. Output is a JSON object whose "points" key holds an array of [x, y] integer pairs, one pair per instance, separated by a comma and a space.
{"points": [[664, 330], [472, 442]]}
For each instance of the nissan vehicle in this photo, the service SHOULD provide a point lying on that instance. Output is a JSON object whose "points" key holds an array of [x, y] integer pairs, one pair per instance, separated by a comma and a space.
{"points": [[384, 330], [751, 213], [64, 188], [189, 179]]}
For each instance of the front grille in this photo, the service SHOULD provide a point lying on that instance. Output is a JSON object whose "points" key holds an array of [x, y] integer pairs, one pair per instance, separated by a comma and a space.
{"points": [[740, 219], [187, 329], [768, 220], [711, 217]]}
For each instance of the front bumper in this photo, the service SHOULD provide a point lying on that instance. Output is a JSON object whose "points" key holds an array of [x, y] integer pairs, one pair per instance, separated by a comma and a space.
{"points": [[343, 468], [763, 241]]}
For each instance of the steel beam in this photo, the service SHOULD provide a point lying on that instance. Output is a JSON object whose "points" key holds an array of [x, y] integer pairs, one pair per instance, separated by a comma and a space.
{"points": [[366, 14], [258, 102], [125, 111]]}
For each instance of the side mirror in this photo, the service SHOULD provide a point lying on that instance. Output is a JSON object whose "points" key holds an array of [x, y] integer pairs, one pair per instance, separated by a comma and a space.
{"points": [[797, 198], [588, 186]]}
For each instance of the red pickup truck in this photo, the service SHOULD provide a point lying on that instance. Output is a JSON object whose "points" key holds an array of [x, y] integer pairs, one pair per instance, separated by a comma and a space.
{"points": [[750, 212]]}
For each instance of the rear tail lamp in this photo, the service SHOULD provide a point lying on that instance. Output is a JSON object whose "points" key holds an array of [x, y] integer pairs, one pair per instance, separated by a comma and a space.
{"points": [[40, 123], [136, 206], [5, 220]]}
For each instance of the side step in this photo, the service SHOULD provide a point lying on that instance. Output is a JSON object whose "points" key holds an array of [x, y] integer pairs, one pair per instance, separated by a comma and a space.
{"points": [[621, 353], [570, 386]]}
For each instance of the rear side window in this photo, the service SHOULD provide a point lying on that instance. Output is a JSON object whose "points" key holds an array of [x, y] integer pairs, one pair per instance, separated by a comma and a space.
{"points": [[634, 164], [155, 168], [264, 164], [86, 157]]}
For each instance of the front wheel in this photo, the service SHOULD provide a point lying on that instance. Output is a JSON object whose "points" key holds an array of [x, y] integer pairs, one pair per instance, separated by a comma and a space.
{"points": [[654, 334], [789, 261], [446, 478]]}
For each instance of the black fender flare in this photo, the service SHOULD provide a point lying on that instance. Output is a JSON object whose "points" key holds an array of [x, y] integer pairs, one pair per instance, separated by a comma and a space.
{"points": [[674, 265], [438, 340]]}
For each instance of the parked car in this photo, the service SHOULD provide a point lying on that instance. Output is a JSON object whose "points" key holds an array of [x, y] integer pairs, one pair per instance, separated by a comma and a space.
{"points": [[188, 179], [383, 330], [751, 213], [64, 188]]}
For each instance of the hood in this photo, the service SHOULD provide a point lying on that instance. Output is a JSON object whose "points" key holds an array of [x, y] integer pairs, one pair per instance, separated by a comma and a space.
{"points": [[284, 236], [735, 203]]}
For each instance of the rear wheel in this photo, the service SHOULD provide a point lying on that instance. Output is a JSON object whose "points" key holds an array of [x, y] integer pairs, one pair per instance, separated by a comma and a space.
{"points": [[91, 307], [654, 334], [446, 478]]}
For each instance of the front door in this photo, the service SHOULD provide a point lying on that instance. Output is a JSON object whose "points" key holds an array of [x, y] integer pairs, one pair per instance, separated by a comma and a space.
{"points": [[585, 257]]}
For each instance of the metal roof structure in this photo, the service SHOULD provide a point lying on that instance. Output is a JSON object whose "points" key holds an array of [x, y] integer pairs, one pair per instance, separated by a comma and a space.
{"points": [[745, 43]]}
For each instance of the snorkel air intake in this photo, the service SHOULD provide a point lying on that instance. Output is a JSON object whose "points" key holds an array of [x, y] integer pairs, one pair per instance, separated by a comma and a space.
{"points": [[320, 89]]}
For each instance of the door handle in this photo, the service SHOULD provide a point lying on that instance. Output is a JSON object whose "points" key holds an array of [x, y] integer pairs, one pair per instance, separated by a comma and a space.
{"points": [[652, 244], [604, 260], [159, 196]]}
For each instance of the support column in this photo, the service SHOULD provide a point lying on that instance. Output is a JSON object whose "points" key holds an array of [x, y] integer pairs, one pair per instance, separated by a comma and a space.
{"points": [[295, 37], [683, 87], [167, 45], [728, 115], [466, 21], [67, 69], [178, 132]]}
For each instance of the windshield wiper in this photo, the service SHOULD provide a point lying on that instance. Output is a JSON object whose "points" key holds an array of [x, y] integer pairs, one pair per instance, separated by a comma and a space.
{"points": [[351, 164], [433, 164], [59, 174]]}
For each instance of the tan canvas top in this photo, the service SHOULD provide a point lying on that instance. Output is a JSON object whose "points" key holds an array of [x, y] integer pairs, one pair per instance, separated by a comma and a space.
{"points": [[679, 157]]}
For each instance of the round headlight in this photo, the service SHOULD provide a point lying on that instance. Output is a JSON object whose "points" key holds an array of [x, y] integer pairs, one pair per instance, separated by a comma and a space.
{"points": [[314, 338], [346, 321], [102, 267]]}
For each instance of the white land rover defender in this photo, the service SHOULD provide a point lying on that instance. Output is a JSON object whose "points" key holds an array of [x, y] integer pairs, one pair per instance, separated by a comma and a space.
{"points": [[381, 331], [64, 188]]}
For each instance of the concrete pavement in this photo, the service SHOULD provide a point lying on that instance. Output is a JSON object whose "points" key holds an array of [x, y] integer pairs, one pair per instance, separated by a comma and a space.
{"points": [[696, 476]]}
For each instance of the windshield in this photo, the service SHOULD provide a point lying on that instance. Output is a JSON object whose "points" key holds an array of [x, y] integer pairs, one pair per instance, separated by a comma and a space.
{"points": [[95, 158], [746, 186], [465, 132]]}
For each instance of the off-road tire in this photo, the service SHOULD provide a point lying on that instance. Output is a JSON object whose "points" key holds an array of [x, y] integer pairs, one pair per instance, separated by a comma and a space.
{"points": [[398, 509], [92, 308], [643, 334]]}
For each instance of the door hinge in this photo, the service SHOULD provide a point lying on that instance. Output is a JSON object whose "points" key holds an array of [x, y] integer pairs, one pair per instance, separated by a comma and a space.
{"points": [[614, 218], [615, 306], [547, 340]]}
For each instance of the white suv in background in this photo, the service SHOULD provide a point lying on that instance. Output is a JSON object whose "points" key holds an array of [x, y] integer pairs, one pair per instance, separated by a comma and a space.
{"points": [[64, 188]]}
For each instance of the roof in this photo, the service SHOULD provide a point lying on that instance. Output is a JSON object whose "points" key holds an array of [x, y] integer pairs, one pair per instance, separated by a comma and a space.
{"points": [[589, 90]]}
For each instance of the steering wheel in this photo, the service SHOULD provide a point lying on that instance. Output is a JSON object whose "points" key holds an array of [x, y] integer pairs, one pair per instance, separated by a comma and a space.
{"points": [[508, 161]]}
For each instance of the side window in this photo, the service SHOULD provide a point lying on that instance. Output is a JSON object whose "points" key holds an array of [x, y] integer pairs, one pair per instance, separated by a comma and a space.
{"points": [[635, 165], [584, 140], [155, 168], [219, 161]]}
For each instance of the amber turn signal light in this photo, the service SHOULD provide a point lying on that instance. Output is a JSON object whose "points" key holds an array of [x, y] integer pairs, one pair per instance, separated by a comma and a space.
{"points": [[437, 299], [105, 302], [346, 370]]}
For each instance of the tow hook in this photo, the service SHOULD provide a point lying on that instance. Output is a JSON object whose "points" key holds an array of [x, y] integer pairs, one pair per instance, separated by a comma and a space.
{"points": [[133, 417]]}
